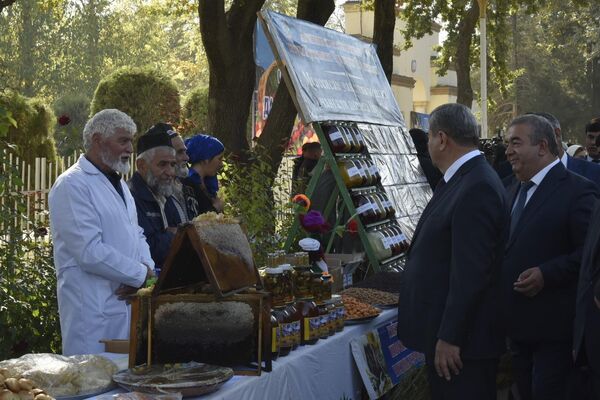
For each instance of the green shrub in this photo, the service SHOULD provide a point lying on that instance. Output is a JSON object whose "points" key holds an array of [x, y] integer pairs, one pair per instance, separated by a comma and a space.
{"points": [[33, 135], [29, 319], [194, 115], [248, 194], [69, 136], [144, 94]]}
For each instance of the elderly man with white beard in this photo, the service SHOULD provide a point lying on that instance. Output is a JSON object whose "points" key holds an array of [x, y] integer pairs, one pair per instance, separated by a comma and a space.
{"points": [[99, 248], [152, 187]]}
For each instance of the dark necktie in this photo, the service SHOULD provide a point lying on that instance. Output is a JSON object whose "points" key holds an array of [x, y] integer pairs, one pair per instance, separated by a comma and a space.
{"points": [[520, 205]]}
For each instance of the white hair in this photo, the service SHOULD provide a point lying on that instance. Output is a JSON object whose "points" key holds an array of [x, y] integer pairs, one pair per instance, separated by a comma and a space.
{"points": [[105, 123], [149, 154]]}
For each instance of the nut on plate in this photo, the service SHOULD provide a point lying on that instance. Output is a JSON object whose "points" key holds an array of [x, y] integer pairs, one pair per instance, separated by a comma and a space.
{"points": [[25, 395], [43, 396], [25, 384], [13, 385], [6, 394]]}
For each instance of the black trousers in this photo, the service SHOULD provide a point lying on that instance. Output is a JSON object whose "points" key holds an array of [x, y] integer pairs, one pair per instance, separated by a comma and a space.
{"points": [[542, 370], [476, 381]]}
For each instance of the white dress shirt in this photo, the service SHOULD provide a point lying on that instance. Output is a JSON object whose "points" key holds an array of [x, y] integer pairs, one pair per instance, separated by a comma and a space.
{"points": [[459, 163]]}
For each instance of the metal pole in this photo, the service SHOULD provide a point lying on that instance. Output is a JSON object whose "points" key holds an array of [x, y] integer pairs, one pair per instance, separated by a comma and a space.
{"points": [[483, 64]]}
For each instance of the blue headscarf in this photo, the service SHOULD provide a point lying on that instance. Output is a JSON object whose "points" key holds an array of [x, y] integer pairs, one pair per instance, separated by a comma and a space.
{"points": [[204, 147]]}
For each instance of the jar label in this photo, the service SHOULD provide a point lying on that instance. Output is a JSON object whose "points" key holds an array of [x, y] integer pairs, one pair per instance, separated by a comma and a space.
{"points": [[341, 313], [387, 204], [312, 328], [288, 332], [373, 170], [335, 135], [386, 242], [275, 335], [402, 238], [353, 171], [364, 208]]}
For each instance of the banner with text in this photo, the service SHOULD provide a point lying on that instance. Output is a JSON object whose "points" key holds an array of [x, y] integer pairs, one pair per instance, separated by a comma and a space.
{"points": [[336, 76]]}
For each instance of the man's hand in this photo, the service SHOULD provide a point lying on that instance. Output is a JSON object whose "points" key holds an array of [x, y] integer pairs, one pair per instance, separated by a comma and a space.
{"points": [[124, 292], [447, 359], [530, 282]]}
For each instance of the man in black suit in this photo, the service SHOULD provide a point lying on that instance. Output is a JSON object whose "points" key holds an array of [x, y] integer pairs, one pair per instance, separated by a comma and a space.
{"points": [[448, 300], [586, 335], [551, 209]]}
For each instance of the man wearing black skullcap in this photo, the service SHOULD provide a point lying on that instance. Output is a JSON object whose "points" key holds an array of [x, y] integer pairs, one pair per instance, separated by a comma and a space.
{"points": [[152, 188]]}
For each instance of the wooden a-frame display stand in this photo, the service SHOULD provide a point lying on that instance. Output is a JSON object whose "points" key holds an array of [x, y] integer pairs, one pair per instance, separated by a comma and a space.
{"points": [[328, 159]]}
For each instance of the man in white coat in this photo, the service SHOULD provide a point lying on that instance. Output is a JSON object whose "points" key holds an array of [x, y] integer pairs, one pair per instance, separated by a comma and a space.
{"points": [[100, 251]]}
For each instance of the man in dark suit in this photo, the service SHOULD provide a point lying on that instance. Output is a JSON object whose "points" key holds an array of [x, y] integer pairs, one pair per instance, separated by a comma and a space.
{"points": [[551, 209], [584, 168], [586, 335], [449, 297]]}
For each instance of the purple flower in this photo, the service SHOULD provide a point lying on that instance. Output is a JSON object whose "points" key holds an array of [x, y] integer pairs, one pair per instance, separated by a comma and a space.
{"points": [[314, 222]]}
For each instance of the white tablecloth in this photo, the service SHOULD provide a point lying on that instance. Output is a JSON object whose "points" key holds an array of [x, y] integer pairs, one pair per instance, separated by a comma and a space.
{"points": [[321, 371]]}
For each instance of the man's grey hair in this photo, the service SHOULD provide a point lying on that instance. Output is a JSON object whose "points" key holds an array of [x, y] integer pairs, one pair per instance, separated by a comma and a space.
{"points": [[457, 121], [549, 117], [149, 154], [105, 123], [541, 129]]}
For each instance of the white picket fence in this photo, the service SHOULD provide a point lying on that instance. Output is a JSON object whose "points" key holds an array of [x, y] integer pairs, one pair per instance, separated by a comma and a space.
{"points": [[36, 180]]}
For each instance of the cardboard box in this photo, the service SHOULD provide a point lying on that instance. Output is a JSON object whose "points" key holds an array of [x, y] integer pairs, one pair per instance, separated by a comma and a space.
{"points": [[348, 264]]}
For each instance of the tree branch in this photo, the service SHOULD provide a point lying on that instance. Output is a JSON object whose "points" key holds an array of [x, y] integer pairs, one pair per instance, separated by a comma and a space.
{"points": [[383, 35], [6, 3]]}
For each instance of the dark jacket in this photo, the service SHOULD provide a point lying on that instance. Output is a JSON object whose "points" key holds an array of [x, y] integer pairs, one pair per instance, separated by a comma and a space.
{"points": [[550, 235], [197, 199], [452, 275], [150, 219], [587, 314], [584, 168]]}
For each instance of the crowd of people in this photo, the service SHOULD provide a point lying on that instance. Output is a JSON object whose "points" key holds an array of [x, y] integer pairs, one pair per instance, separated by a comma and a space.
{"points": [[500, 261], [109, 235], [510, 264]]}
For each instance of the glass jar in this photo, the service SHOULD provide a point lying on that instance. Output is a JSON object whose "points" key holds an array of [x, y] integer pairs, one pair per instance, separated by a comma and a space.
{"points": [[286, 330], [363, 171], [387, 204], [402, 240], [359, 139], [273, 283], [350, 173], [380, 244], [324, 321], [288, 282], [332, 313], [272, 260], [351, 138], [315, 286], [295, 327], [326, 285], [340, 312], [302, 282], [311, 320], [338, 139], [374, 172], [378, 208], [364, 208], [275, 337]]}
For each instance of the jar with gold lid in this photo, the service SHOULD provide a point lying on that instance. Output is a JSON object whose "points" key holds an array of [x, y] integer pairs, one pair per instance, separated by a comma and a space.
{"points": [[273, 283]]}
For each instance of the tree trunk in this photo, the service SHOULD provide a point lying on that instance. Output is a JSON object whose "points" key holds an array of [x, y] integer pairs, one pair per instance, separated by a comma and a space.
{"points": [[383, 35], [466, 29], [228, 42], [278, 128]]}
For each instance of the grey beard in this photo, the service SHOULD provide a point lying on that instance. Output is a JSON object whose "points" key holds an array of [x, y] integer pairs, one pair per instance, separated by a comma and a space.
{"points": [[181, 170], [117, 165], [159, 189]]}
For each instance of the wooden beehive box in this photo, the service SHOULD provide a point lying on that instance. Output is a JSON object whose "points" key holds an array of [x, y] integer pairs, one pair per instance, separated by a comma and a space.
{"points": [[204, 307]]}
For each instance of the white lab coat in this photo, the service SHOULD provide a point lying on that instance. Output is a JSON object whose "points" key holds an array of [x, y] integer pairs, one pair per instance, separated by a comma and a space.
{"points": [[98, 245]]}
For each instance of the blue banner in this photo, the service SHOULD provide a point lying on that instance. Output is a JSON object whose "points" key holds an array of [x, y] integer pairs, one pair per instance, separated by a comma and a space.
{"points": [[336, 76]]}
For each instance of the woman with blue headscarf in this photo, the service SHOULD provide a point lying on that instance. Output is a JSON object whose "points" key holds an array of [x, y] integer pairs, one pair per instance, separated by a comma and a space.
{"points": [[206, 159]]}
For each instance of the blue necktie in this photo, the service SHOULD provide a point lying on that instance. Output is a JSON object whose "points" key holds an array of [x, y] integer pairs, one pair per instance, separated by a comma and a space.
{"points": [[520, 205]]}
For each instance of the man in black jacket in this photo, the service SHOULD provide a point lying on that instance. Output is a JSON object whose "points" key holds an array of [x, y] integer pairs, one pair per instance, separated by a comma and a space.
{"points": [[551, 209], [448, 300], [152, 188]]}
